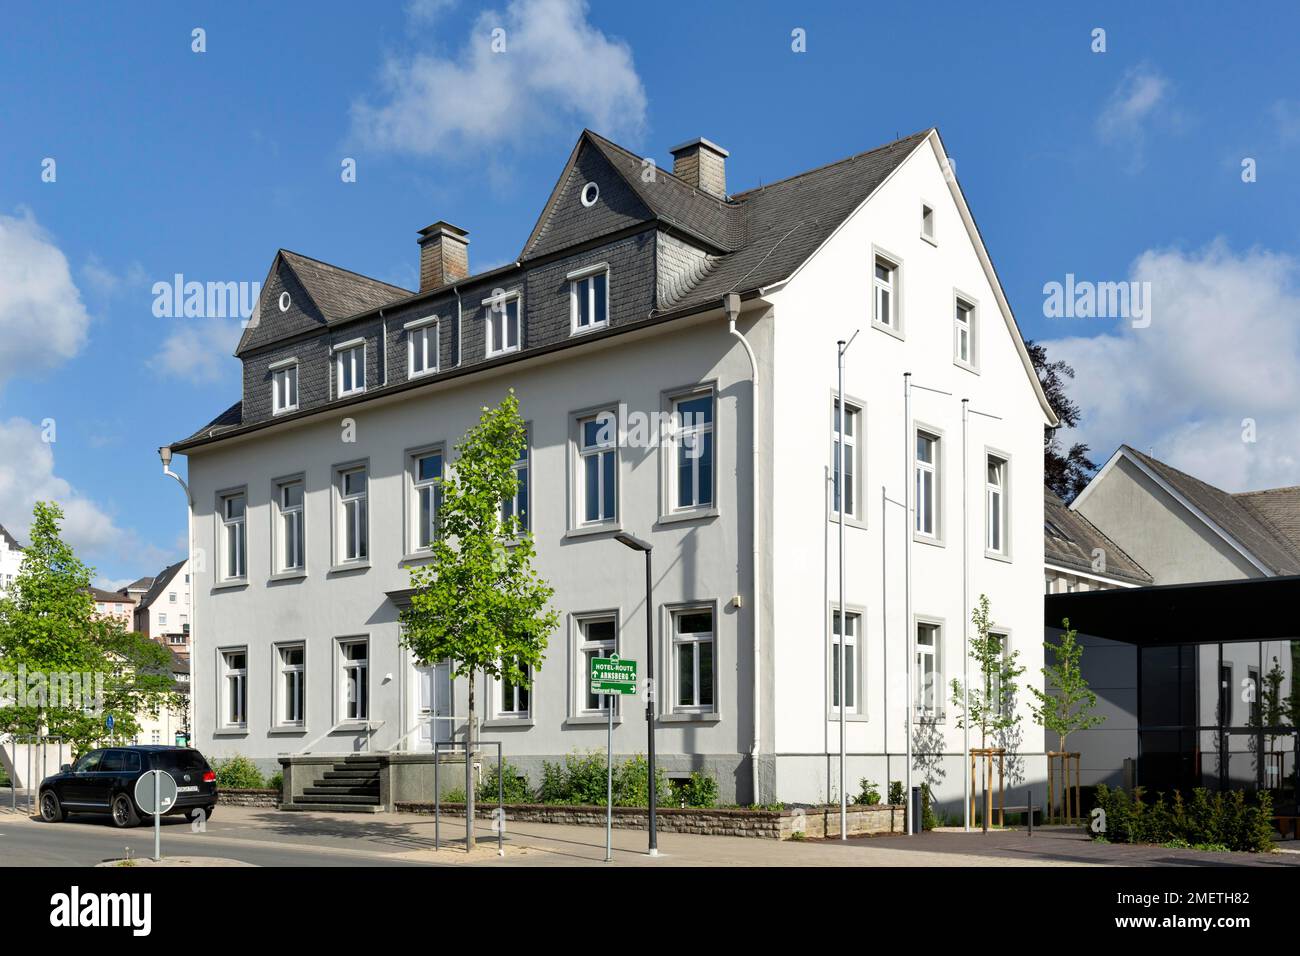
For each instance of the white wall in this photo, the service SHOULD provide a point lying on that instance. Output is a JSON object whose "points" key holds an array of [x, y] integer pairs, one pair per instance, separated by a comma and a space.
{"points": [[828, 300]]}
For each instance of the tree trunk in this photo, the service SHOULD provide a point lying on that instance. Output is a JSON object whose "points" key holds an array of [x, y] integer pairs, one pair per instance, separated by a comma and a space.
{"points": [[469, 770]]}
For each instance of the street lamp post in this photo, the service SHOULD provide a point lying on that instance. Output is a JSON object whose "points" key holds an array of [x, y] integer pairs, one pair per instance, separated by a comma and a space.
{"points": [[165, 456], [636, 544]]}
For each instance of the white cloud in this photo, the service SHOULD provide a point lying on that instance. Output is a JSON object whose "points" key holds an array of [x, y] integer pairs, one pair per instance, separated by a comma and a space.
{"points": [[1286, 115], [106, 282], [1139, 101], [1223, 346], [199, 350], [557, 68], [42, 319]]}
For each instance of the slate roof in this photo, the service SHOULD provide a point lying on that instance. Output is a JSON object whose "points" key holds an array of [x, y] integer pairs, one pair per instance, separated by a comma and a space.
{"points": [[139, 584], [159, 585], [9, 539], [1069, 539], [1255, 520], [107, 597]]}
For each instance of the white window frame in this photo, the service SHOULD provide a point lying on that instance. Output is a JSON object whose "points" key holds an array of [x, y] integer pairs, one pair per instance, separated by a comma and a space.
{"points": [[284, 385], [350, 351], [581, 453], [284, 516], [962, 303], [515, 713], [856, 679], [501, 305], [345, 666], [341, 521], [234, 681], [226, 525], [893, 322], [928, 215], [854, 454], [582, 284], [1002, 492], [581, 672], [521, 503], [676, 641], [283, 696], [937, 664], [935, 468], [162, 618], [420, 335], [1005, 635], [417, 488], [675, 438]]}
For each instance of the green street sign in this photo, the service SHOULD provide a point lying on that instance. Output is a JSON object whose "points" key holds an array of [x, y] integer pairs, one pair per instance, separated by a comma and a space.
{"points": [[613, 675]]}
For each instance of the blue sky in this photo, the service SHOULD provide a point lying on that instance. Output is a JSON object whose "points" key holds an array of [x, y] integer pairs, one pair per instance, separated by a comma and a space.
{"points": [[1109, 166]]}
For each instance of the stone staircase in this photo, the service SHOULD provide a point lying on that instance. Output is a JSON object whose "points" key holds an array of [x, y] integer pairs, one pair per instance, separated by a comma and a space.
{"points": [[351, 785]]}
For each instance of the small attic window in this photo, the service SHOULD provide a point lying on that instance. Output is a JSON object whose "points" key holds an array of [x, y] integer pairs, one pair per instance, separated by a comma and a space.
{"points": [[590, 193], [927, 222]]}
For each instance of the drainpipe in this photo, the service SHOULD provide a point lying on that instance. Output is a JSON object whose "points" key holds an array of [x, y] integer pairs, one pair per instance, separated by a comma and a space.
{"points": [[383, 344], [459, 336], [731, 305]]}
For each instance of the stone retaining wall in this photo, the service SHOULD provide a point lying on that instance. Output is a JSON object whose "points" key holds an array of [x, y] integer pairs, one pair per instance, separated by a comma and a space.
{"points": [[812, 822], [248, 798]]}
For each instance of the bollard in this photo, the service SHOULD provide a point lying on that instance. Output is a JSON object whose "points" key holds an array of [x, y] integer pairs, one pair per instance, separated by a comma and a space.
{"points": [[1029, 803], [914, 824]]}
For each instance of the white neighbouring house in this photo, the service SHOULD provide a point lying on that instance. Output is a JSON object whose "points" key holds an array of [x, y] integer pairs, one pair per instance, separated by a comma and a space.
{"points": [[11, 559], [163, 611], [657, 294]]}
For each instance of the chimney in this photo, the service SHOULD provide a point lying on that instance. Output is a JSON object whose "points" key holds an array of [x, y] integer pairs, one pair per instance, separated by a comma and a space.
{"points": [[702, 164], [444, 255]]}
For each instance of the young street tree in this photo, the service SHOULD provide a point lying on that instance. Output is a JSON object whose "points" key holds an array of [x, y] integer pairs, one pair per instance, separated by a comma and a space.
{"points": [[989, 707], [478, 603], [1065, 704], [49, 629]]}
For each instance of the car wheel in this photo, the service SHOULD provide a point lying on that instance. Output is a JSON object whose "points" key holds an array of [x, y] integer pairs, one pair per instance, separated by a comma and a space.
{"points": [[124, 814], [51, 809]]}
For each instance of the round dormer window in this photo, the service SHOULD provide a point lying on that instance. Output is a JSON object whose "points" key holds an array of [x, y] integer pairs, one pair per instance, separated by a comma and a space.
{"points": [[590, 193], [284, 301]]}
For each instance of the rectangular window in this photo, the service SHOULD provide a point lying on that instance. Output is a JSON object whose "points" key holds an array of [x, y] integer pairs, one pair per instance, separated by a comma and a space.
{"points": [[293, 684], [171, 598], [927, 222], [503, 325], [422, 349], [589, 302], [162, 619], [693, 660], [426, 504], [233, 543], [517, 507], [235, 681], [844, 652], [995, 679], [290, 548], [513, 700], [355, 679], [284, 389], [351, 369], [353, 518], [596, 638], [852, 480], [692, 473], [964, 332], [886, 293], [929, 679], [995, 505], [927, 485], [598, 468]]}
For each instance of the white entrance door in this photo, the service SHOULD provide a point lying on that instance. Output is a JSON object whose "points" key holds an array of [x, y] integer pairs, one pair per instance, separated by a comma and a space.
{"points": [[433, 702]]}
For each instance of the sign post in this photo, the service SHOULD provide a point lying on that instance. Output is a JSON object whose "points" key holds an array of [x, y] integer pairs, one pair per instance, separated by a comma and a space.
{"points": [[155, 792], [611, 676]]}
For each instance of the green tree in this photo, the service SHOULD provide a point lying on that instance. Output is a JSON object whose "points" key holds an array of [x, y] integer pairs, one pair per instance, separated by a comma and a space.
{"points": [[479, 603], [990, 706], [1065, 704], [49, 628]]}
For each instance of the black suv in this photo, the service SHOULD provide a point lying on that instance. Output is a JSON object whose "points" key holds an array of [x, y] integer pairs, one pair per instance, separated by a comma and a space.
{"points": [[103, 781]]}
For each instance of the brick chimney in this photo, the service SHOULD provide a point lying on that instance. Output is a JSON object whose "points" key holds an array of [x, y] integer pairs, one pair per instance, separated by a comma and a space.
{"points": [[702, 164], [444, 255]]}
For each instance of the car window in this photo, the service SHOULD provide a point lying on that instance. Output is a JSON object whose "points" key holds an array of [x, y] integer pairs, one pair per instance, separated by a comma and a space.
{"points": [[89, 763], [131, 761], [114, 762], [183, 760]]}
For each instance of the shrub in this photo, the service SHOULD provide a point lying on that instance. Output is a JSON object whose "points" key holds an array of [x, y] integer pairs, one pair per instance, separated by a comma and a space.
{"points": [[454, 795], [632, 784], [581, 780], [868, 793], [896, 796], [1225, 821], [553, 786], [276, 782], [928, 818], [516, 789], [238, 773], [701, 790]]}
